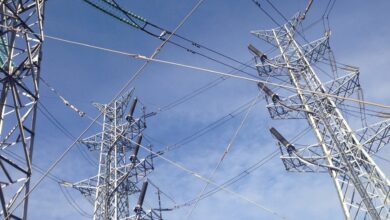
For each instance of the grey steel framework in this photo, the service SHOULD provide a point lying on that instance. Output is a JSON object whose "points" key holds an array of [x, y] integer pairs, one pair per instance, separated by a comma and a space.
{"points": [[20, 55], [345, 154], [122, 167]]}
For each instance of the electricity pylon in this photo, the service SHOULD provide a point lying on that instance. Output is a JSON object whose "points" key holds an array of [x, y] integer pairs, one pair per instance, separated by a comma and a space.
{"points": [[20, 55], [122, 167], [362, 187]]}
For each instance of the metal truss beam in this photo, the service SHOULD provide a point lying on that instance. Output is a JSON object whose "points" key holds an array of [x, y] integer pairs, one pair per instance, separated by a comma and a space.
{"points": [[21, 37], [362, 187]]}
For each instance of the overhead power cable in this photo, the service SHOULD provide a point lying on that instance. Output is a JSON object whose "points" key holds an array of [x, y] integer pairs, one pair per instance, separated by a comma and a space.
{"points": [[232, 180], [142, 57], [55, 179], [225, 153], [213, 125], [200, 90], [382, 158], [113, 9], [73, 203], [257, 3], [243, 173], [257, 81], [53, 120], [206, 129], [162, 192]]}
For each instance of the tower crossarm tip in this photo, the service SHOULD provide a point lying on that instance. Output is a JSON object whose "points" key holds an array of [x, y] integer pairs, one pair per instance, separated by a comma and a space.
{"points": [[306, 159], [343, 86], [269, 35], [286, 107], [375, 136]]}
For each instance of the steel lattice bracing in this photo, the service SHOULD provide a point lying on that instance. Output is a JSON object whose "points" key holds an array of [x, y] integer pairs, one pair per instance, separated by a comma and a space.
{"points": [[362, 187], [20, 55], [122, 168]]}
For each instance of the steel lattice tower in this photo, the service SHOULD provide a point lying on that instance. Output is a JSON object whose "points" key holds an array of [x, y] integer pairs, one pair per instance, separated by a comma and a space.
{"points": [[20, 56], [345, 154], [121, 171]]}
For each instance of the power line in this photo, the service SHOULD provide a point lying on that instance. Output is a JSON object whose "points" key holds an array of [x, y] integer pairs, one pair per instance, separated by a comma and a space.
{"points": [[224, 154], [204, 130], [220, 121], [243, 173], [142, 57], [262, 81], [198, 91], [53, 120], [138, 56], [133, 23], [232, 180], [73, 203], [55, 179], [265, 12], [382, 158]]}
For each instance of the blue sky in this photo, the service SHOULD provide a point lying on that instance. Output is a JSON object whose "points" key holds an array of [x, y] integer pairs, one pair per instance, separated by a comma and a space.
{"points": [[83, 75]]}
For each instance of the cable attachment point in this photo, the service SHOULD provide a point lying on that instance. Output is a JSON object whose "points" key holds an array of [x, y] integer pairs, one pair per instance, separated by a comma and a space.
{"points": [[290, 148], [275, 98]]}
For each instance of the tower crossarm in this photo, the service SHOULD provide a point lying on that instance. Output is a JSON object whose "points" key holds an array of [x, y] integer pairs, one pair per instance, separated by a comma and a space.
{"points": [[86, 187], [276, 66], [306, 159], [344, 86], [133, 173], [374, 137], [147, 214], [268, 35], [286, 108], [93, 142], [314, 52], [291, 107]]}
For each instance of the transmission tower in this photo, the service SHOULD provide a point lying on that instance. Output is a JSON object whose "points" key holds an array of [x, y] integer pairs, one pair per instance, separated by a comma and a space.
{"points": [[346, 154], [122, 169], [20, 55]]}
